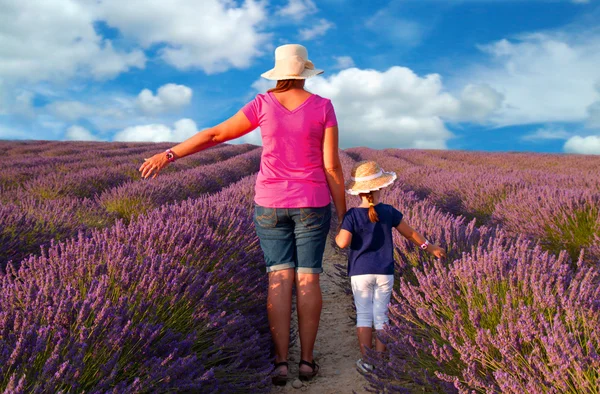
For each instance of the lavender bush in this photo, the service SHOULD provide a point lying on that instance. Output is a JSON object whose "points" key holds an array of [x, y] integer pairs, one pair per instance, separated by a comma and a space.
{"points": [[134, 198], [506, 318], [507, 190], [174, 301], [67, 196], [28, 223], [561, 219], [501, 314]]}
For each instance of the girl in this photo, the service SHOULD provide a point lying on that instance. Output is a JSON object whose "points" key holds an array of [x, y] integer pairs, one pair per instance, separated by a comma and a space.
{"points": [[367, 230]]}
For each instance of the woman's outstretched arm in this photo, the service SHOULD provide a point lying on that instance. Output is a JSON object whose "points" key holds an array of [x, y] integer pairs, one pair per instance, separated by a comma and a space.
{"points": [[232, 128], [333, 170]]}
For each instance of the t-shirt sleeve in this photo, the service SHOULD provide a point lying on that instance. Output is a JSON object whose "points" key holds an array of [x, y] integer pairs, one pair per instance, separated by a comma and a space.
{"points": [[396, 217], [330, 119], [348, 223], [251, 112]]}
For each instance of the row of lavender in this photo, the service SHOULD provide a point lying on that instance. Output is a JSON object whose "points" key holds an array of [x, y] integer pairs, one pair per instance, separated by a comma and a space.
{"points": [[501, 315], [62, 196], [554, 199], [86, 172], [172, 301]]}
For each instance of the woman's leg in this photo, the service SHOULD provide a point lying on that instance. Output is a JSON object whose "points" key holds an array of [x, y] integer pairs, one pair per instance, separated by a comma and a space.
{"points": [[309, 303], [276, 234], [381, 300], [279, 309], [362, 288], [311, 230]]}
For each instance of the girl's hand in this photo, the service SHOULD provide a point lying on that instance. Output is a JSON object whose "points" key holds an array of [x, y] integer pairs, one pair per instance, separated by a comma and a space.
{"points": [[437, 251], [154, 164]]}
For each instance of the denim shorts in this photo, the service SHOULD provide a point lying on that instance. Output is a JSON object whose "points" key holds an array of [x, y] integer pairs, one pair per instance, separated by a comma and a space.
{"points": [[293, 237]]}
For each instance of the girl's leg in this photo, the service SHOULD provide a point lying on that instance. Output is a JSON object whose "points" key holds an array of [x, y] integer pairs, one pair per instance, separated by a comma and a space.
{"points": [[309, 303], [381, 299], [279, 310], [365, 338], [379, 346], [362, 288]]}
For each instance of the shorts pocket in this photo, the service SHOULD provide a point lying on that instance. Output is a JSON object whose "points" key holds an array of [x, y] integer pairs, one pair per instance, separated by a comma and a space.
{"points": [[313, 218], [265, 217]]}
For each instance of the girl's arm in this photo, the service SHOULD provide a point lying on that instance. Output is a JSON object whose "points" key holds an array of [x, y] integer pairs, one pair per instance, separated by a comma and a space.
{"points": [[343, 239], [410, 234], [232, 128], [333, 171]]}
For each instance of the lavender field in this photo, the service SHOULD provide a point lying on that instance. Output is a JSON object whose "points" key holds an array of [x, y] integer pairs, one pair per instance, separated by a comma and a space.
{"points": [[111, 283], [516, 306]]}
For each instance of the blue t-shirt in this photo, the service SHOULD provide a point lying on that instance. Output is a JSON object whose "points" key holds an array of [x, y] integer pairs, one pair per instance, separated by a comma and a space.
{"points": [[372, 247]]}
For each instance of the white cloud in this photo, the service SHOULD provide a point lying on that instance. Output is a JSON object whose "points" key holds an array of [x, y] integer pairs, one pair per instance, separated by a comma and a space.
{"points": [[168, 97], [211, 35], [396, 108], [262, 85], [2, 99], [24, 104], [318, 30], [297, 9], [78, 133], [109, 111], [343, 62], [59, 45], [593, 120], [547, 134], [544, 78], [253, 137], [395, 29], [71, 110], [593, 110], [583, 145], [477, 102], [183, 129]]}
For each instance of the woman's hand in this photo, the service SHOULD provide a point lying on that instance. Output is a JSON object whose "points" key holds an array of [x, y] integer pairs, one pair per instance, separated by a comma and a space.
{"points": [[436, 251], [154, 164]]}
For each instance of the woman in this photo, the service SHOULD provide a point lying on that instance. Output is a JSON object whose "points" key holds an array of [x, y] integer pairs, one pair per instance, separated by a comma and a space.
{"points": [[300, 169]]}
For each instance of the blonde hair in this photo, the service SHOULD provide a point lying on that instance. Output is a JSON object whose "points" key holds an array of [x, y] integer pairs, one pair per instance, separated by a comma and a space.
{"points": [[373, 217]]}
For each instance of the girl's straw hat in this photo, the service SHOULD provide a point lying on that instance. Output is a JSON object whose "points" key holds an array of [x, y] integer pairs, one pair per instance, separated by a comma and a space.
{"points": [[367, 176], [291, 62]]}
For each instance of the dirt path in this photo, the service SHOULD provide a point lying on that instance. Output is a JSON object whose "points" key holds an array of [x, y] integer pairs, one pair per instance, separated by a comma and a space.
{"points": [[336, 348]]}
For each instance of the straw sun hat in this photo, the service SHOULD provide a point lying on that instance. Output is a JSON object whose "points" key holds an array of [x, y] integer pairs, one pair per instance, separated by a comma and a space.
{"points": [[291, 62], [367, 176]]}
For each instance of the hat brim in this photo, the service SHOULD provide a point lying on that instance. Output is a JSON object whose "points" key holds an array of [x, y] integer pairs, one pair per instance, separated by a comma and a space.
{"points": [[273, 76], [355, 188]]}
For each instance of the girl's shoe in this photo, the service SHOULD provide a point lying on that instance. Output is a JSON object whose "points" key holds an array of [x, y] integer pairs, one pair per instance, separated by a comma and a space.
{"points": [[363, 366], [280, 379], [308, 375]]}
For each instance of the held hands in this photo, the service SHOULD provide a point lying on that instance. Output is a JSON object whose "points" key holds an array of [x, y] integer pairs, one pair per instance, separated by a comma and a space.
{"points": [[153, 164]]}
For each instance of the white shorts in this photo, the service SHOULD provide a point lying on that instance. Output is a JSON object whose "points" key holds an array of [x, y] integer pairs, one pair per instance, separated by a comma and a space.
{"points": [[372, 296]]}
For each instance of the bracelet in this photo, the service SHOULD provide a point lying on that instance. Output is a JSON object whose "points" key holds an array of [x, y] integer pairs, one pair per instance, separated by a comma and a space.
{"points": [[170, 155], [424, 245]]}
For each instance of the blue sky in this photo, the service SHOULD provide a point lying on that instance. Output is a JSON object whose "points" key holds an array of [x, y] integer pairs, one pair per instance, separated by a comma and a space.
{"points": [[490, 75]]}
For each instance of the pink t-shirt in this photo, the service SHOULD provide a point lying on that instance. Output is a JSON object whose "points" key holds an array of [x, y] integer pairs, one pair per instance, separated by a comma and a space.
{"points": [[291, 168]]}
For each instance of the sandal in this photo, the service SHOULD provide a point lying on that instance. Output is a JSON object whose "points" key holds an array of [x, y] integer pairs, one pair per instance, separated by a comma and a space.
{"points": [[363, 366], [308, 375], [279, 379]]}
